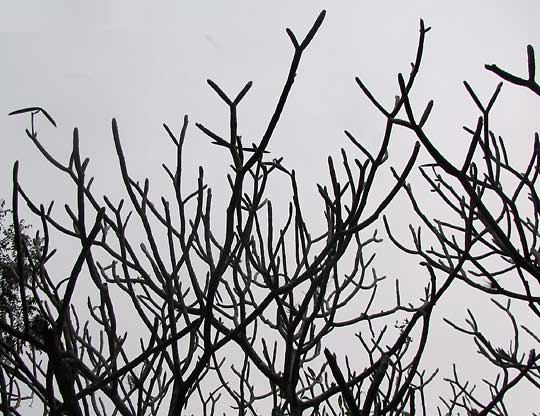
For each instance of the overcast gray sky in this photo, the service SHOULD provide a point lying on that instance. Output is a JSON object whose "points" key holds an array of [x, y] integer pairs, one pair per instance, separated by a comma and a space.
{"points": [[146, 63]]}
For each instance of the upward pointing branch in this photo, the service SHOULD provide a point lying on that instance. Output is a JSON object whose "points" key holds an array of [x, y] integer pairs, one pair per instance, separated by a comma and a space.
{"points": [[529, 82]]}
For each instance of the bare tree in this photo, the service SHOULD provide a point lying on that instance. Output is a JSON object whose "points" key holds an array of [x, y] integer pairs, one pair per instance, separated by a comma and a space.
{"points": [[489, 240], [242, 316]]}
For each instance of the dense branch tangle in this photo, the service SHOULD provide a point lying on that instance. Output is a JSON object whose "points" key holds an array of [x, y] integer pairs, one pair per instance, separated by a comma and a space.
{"points": [[499, 205], [218, 314]]}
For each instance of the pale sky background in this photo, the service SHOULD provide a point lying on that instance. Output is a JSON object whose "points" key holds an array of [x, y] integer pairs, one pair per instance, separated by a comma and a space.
{"points": [[146, 63]]}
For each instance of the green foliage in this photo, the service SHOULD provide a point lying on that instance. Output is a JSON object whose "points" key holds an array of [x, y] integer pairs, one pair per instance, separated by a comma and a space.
{"points": [[11, 310]]}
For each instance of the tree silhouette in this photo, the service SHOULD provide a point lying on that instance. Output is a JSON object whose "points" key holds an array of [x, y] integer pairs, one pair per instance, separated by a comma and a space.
{"points": [[244, 315], [491, 242]]}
